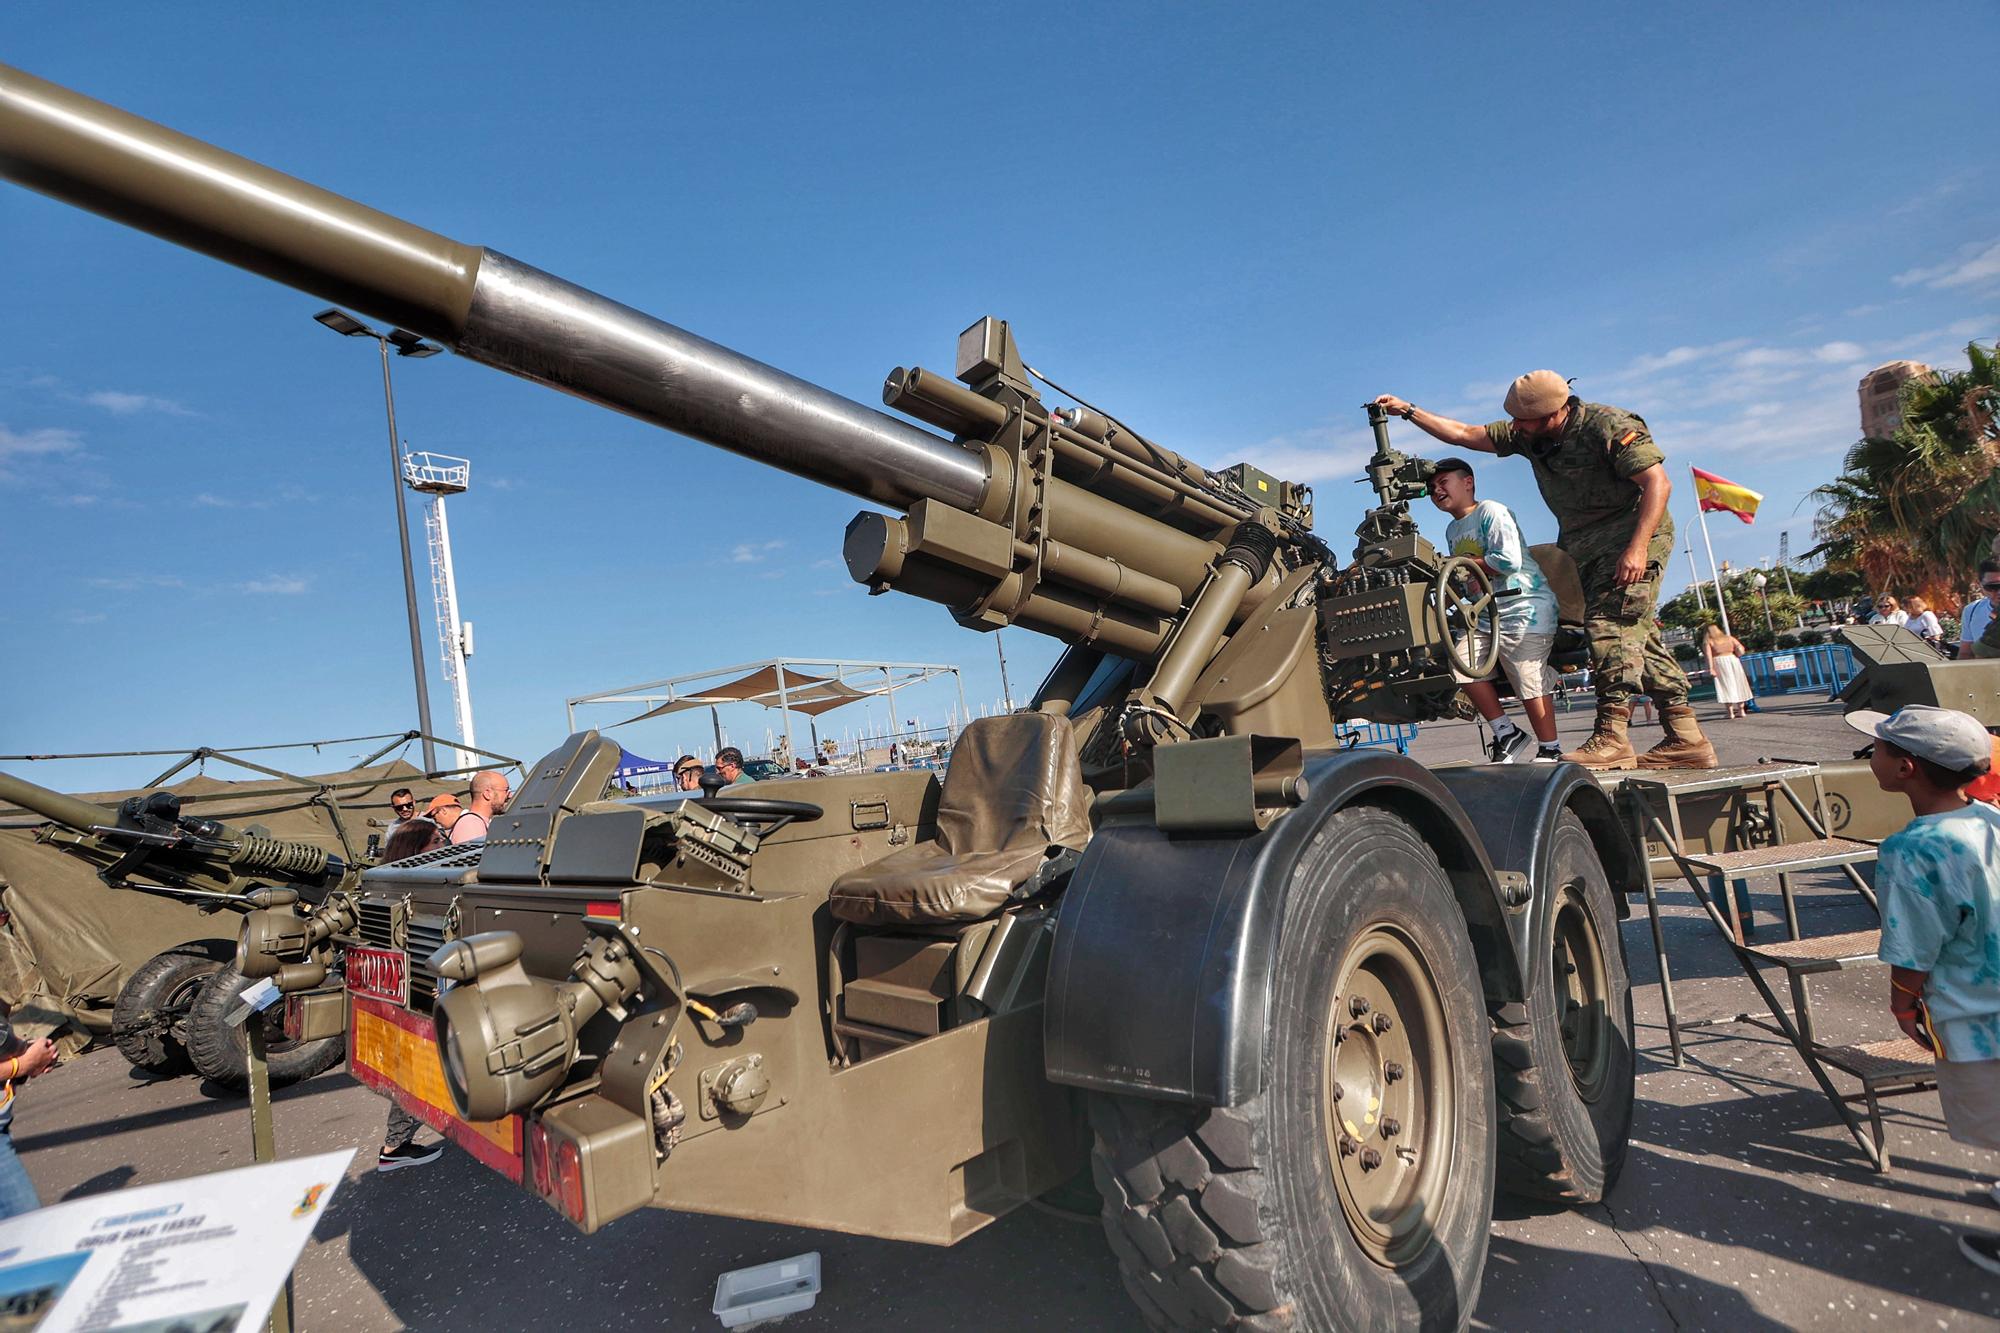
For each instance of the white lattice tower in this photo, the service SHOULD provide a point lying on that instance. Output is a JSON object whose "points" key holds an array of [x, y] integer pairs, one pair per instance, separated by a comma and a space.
{"points": [[439, 475]]}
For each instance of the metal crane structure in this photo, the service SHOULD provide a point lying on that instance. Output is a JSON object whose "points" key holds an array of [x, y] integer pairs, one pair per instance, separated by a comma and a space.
{"points": [[439, 475]]}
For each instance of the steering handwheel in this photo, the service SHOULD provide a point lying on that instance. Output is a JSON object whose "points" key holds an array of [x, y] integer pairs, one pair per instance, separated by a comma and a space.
{"points": [[1446, 604], [762, 810]]}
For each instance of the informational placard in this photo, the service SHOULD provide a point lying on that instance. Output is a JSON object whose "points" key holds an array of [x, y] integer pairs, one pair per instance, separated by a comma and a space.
{"points": [[206, 1255]]}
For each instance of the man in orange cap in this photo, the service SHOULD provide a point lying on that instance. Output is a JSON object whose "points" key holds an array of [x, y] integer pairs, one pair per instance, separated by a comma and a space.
{"points": [[444, 812], [1606, 482]]}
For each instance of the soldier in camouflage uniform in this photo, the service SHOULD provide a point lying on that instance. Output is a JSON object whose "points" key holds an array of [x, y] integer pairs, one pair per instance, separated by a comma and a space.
{"points": [[1605, 480]]}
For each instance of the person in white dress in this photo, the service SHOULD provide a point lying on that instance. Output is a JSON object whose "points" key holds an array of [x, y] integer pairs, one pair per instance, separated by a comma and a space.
{"points": [[1724, 653]]}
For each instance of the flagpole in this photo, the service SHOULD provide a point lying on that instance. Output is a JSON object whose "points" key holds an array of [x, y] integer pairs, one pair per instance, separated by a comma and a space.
{"points": [[1688, 546], [1701, 517]]}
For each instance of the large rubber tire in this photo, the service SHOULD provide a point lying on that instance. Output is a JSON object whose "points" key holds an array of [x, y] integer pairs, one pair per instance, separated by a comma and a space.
{"points": [[153, 1001], [221, 1053], [1251, 1217], [1563, 1060]]}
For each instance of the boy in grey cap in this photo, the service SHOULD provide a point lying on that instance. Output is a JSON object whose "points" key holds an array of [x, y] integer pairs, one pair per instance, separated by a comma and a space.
{"points": [[1939, 882]]}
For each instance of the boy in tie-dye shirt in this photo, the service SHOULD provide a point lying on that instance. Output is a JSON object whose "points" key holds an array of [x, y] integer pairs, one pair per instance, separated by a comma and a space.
{"points": [[1939, 883], [1484, 531]]}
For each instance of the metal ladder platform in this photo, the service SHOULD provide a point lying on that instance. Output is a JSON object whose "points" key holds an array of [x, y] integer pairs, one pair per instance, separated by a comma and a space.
{"points": [[1754, 793]]}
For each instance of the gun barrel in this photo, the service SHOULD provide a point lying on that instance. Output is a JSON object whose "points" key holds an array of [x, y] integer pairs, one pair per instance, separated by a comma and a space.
{"points": [[68, 811], [482, 304]]}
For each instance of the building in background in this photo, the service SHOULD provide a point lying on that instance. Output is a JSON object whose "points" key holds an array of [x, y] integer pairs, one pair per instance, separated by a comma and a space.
{"points": [[1882, 396]]}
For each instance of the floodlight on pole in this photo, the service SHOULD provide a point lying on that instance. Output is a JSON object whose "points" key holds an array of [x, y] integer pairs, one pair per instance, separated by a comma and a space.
{"points": [[406, 344], [439, 475]]}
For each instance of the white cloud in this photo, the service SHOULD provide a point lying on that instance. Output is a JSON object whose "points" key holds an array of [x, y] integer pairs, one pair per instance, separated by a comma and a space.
{"points": [[210, 500], [83, 617], [749, 553], [283, 585], [1974, 265], [38, 443], [1314, 453], [135, 582], [131, 404]]}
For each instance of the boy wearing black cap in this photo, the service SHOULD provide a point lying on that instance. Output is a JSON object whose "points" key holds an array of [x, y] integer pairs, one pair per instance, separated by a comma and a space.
{"points": [[1524, 620], [1939, 882]]}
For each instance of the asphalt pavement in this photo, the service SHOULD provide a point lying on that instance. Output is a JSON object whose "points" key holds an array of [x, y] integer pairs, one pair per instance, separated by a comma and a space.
{"points": [[1743, 1204]]}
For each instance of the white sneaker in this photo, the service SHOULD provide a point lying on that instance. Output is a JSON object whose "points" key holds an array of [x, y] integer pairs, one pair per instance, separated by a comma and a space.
{"points": [[1501, 751], [1521, 747]]}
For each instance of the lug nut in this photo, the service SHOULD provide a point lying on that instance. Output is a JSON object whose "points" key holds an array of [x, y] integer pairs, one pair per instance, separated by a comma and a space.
{"points": [[1338, 1092], [1391, 1127], [1393, 1071], [1358, 1005], [1370, 1159], [1348, 1146], [1383, 1023]]}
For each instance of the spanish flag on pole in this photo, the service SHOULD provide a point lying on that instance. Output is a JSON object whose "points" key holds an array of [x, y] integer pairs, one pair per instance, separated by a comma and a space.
{"points": [[1725, 497]]}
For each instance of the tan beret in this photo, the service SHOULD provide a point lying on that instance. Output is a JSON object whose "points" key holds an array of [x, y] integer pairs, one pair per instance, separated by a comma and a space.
{"points": [[1539, 393]]}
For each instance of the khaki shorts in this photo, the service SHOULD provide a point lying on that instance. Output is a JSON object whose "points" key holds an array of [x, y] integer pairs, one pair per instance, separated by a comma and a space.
{"points": [[1524, 658], [1969, 1091]]}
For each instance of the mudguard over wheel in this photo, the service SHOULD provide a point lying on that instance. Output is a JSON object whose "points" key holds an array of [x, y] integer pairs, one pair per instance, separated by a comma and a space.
{"points": [[1563, 1060], [153, 1003], [221, 1052], [1355, 1190]]}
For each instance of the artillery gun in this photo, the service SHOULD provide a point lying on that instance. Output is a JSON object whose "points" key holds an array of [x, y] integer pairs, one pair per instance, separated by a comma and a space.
{"points": [[1315, 1003], [169, 1015]]}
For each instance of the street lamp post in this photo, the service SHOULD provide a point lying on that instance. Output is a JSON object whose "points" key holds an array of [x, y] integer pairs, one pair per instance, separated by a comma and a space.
{"points": [[406, 344], [1760, 582]]}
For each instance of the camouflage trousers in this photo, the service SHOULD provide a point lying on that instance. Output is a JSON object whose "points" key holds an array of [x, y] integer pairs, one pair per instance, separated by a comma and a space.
{"points": [[1627, 656]]}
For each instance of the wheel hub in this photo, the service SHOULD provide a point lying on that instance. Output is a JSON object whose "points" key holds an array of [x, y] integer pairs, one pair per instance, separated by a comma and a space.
{"points": [[1582, 994], [1388, 1095]]}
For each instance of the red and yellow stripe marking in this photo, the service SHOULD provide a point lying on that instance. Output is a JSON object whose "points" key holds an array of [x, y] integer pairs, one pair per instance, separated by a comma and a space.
{"points": [[395, 1052]]}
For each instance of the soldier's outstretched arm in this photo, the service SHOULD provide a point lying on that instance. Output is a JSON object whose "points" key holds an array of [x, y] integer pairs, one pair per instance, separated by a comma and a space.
{"points": [[1442, 428]]}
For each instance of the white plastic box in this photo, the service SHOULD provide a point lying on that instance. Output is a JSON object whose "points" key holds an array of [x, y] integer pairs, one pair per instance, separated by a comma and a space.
{"points": [[749, 1296]]}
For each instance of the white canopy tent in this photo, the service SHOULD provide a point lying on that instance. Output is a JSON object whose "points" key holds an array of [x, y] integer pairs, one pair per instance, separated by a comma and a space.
{"points": [[788, 684]]}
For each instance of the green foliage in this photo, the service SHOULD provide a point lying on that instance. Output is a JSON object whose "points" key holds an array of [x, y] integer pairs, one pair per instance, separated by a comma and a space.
{"points": [[1829, 585], [1915, 513]]}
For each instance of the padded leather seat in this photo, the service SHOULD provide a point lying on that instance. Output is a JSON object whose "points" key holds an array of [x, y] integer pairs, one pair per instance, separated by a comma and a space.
{"points": [[1012, 797], [1571, 609]]}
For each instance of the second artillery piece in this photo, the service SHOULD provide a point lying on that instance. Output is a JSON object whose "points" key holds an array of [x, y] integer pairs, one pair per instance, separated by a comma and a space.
{"points": [[1299, 1009], [170, 1015]]}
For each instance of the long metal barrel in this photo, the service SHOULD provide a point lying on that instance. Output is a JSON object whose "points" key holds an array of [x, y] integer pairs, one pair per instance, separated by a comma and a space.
{"points": [[478, 302], [65, 810]]}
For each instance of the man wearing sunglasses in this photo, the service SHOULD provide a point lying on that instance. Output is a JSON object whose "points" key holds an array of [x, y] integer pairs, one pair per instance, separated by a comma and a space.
{"points": [[1978, 627], [402, 804], [687, 773], [1606, 482]]}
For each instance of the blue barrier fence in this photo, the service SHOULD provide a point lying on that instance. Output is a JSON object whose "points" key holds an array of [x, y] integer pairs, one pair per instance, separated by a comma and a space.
{"points": [[1377, 735], [1817, 667]]}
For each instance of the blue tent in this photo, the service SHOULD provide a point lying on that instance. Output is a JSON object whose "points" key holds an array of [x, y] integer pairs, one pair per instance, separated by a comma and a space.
{"points": [[632, 766]]}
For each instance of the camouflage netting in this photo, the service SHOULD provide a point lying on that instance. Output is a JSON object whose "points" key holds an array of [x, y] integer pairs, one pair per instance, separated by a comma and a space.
{"points": [[69, 941]]}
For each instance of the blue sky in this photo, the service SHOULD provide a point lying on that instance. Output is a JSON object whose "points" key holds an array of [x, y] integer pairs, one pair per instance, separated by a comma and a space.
{"points": [[1229, 224]]}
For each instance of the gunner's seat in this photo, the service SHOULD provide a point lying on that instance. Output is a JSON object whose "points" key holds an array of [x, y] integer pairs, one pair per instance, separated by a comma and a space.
{"points": [[1013, 803], [1572, 646]]}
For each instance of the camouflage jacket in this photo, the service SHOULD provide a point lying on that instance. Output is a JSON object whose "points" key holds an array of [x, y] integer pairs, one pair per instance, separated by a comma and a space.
{"points": [[1586, 472]]}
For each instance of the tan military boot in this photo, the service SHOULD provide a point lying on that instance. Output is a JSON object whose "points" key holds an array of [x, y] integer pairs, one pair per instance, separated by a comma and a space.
{"points": [[1608, 746], [1684, 747]]}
